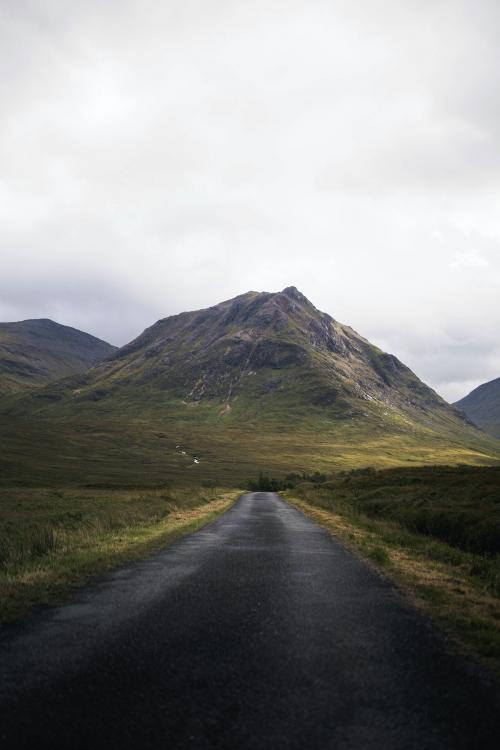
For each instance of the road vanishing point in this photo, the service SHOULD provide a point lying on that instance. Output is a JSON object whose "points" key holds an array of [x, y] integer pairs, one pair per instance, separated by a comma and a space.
{"points": [[259, 631]]}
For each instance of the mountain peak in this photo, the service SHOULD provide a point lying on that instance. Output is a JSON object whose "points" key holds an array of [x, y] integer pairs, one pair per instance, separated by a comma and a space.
{"points": [[262, 348], [293, 293], [265, 376], [262, 363]]}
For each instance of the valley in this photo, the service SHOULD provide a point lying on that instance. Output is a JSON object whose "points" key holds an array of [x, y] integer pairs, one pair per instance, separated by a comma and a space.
{"points": [[112, 459], [261, 382]]}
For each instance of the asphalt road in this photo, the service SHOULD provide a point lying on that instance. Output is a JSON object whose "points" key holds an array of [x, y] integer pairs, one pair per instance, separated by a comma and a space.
{"points": [[259, 631]]}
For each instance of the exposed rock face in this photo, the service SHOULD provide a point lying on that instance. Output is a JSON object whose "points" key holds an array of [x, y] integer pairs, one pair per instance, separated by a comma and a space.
{"points": [[36, 352]]}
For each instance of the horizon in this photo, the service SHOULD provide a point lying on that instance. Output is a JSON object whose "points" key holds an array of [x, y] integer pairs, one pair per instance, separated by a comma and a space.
{"points": [[250, 291], [152, 162]]}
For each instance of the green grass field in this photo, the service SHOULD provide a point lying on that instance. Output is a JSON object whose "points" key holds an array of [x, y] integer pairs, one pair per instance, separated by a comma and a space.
{"points": [[230, 449], [457, 505]]}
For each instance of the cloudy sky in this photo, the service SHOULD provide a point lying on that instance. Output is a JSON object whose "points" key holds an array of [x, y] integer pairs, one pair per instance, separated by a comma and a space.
{"points": [[163, 155]]}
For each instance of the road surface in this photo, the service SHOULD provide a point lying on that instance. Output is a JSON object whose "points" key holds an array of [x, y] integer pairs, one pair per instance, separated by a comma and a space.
{"points": [[259, 631]]}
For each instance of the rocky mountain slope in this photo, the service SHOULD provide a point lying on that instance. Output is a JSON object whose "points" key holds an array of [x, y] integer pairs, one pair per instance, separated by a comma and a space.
{"points": [[260, 381], [35, 352], [482, 406], [254, 347]]}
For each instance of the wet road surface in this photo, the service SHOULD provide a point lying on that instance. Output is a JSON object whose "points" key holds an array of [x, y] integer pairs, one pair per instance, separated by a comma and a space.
{"points": [[259, 631]]}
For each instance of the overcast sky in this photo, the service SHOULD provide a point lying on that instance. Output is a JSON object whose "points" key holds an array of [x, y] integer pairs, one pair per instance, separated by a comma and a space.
{"points": [[164, 155]]}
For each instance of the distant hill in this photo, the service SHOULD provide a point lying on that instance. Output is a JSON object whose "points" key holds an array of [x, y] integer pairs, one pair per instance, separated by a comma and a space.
{"points": [[482, 406], [35, 352], [261, 381]]}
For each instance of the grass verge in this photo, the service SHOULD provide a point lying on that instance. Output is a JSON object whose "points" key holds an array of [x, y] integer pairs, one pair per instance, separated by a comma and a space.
{"points": [[457, 589], [54, 540]]}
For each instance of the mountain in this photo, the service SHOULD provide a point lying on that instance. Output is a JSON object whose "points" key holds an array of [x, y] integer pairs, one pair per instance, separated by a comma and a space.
{"points": [[482, 406], [35, 352], [267, 350], [260, 381]]}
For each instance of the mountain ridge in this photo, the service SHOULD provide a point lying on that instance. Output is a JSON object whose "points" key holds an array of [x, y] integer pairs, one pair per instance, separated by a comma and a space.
{"points": [[36, 351], [482, 406], [264, 331]]}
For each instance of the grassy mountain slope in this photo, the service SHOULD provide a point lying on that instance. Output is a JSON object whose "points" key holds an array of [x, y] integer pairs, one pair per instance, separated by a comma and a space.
{"points": [[261, 381], [482, 406], [35, 352]]}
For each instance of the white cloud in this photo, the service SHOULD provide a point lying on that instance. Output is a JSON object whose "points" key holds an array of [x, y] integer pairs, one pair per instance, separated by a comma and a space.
{"points": [[156, 157], [472, 259]]}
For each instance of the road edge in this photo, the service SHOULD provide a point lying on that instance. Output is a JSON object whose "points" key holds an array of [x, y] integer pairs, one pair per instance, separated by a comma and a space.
{"points": [[393, 566], [50, 585]]}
